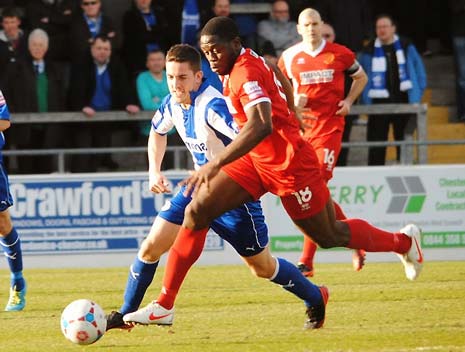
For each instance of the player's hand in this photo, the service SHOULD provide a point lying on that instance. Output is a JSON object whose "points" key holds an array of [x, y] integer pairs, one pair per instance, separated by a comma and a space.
{"points": [[158, 183], [344, 106], [303, 116], [199, 177]]}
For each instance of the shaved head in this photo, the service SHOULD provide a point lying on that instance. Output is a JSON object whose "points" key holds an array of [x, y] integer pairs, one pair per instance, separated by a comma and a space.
{"points": [[309, 12]]}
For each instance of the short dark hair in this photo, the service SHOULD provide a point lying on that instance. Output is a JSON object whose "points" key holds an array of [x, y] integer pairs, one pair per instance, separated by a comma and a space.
{"points": [[156, 51], [222, 27], [11, 11], [102, 37], [386, 15], [185, 53]]}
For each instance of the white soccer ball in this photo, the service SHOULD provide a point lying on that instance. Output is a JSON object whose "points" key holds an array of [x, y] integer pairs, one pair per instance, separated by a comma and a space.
{"points": [[83, 322]]}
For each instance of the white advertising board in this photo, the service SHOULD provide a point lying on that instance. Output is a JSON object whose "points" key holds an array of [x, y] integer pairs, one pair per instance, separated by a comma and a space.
{"points": [[85, 220]]}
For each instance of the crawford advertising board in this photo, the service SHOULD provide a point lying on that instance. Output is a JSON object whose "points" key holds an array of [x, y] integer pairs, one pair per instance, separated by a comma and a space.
{"points": [[85, 213]]}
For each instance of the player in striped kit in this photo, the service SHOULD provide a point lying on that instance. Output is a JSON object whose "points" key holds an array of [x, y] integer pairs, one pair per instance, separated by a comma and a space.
{"points": [[9, 238], [201, 117], [268, 155]]}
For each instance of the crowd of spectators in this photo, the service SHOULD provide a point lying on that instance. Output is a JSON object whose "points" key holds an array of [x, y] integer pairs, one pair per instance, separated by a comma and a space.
{"points": [[69, 77]]}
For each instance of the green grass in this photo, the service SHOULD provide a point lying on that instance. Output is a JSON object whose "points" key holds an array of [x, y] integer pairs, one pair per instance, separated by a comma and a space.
{"points": [[224, 308]]}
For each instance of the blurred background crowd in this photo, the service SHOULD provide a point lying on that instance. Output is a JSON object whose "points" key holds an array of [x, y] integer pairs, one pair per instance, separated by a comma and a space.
{"points": [[103, 55]]}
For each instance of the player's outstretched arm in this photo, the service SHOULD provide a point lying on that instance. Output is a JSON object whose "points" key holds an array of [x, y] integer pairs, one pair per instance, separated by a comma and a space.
{"points": [[155, 152]]}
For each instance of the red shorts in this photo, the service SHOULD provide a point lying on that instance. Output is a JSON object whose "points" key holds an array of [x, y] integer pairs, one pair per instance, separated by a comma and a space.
{"points": [[327, 149], [302, 189]]}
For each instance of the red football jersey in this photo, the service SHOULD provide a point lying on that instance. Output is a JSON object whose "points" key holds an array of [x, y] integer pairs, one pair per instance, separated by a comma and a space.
{"points": [[251, 82], [320, 76]]}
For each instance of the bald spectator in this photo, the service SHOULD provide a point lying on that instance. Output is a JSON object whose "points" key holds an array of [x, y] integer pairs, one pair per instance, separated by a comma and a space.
{"points": [[278, 28]]}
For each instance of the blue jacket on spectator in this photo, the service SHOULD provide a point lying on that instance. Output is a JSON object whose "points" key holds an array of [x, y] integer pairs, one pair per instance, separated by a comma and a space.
{"points": [[415, 69]]}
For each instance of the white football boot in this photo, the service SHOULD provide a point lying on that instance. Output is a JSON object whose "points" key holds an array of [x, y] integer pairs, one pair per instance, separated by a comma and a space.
{"points": [[153, 313], [413, 259]]}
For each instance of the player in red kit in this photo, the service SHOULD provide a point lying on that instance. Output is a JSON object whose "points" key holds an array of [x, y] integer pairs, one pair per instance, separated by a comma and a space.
{"points": [[268, 155], [317, 71]]}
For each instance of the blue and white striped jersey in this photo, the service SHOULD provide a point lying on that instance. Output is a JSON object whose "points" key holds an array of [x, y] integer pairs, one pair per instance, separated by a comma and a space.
{"points": [[4, 115], [206, 127]]}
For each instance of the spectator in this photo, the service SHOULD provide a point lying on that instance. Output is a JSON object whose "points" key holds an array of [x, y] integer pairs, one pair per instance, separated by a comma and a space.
{"points": [[269, 53], [247, 24], [145, 26], [352, 20], [184, 24], [396, 74], [37, 85], [219, 8], [86, 26], [54, 17], [327, 32], [457, 8], [99, 84], [152, 87], [278, 28], [13, 41]]}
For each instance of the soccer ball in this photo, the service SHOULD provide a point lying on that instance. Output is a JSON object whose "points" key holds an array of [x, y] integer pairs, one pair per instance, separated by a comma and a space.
{"points": [[83, 322]]}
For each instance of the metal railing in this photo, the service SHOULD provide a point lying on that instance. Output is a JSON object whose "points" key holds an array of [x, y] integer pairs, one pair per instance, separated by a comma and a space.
{"points": [[181, 154], [420, 124]]}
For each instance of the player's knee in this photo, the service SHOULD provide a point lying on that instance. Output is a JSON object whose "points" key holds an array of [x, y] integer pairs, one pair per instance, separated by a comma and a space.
{"points": [[197, 214], [148, 252], [5, 227]]}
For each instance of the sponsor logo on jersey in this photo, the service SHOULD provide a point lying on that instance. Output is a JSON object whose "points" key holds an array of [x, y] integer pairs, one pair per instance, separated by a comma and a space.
{"points": [[317, 76], [196, 147], [253, 89]]}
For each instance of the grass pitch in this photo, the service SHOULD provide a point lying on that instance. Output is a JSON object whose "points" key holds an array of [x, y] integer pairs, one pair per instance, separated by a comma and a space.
{"points": [[224, 308]]}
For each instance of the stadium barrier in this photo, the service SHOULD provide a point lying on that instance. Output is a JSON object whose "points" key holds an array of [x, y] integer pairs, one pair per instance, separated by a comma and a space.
{"points": [[182, 161], [100, 219]]}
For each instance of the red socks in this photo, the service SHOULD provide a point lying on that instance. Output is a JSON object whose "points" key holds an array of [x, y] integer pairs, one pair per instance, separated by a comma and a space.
{"points": [[183, 254], [367, 237], [308, 252]]}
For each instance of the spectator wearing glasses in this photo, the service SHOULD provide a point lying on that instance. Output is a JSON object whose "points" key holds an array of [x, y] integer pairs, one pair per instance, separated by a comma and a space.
{"points": [[87, 25], [278, 29], [396, 74]]}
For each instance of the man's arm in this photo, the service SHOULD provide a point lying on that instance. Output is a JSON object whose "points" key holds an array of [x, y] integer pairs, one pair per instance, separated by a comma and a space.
{"points": [[258, 126], [4, 125], [359, 81], [155, 153]]}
